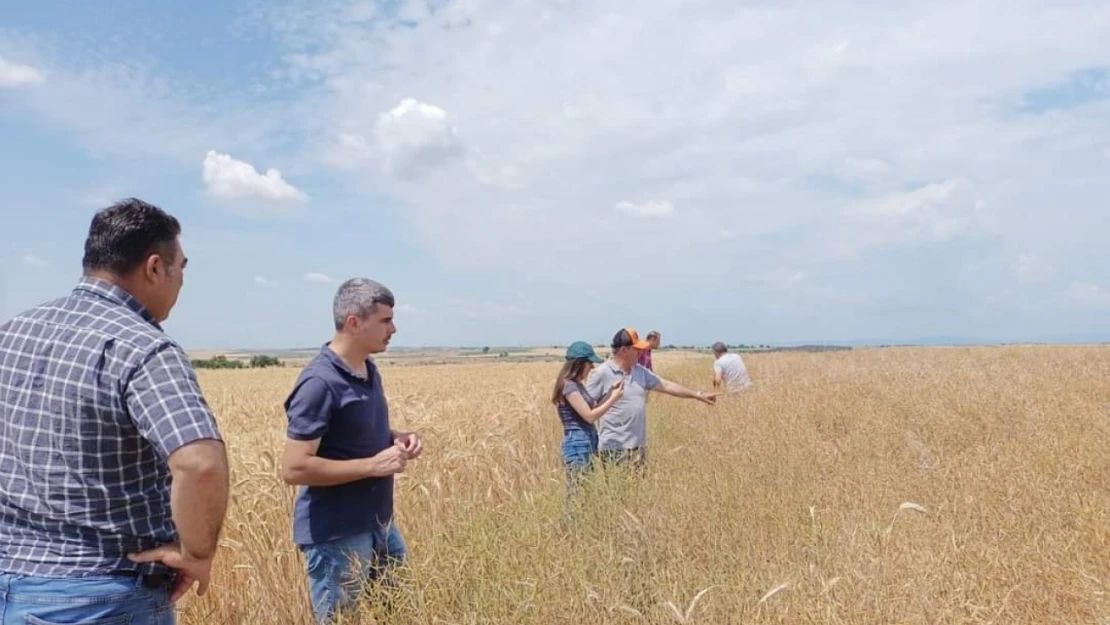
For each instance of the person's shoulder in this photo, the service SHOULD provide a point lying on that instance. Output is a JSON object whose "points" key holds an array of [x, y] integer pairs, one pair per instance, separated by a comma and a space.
{"points": [[602, 370], [311, 383], [317, 370], [572, 386], [86, 322]]}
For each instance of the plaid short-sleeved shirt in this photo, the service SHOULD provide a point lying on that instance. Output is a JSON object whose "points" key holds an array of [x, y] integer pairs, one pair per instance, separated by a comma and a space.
{"points": [[94, 397]]}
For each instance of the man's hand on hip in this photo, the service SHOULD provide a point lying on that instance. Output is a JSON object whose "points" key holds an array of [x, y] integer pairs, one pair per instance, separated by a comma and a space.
{"points": [[190, 569]]}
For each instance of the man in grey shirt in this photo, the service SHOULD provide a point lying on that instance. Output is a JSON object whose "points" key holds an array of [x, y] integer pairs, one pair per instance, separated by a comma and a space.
{"points": [[623, 431]]}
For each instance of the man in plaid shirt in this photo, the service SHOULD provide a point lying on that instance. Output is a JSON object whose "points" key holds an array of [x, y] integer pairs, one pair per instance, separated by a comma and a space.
{"points": [[113, 474]]}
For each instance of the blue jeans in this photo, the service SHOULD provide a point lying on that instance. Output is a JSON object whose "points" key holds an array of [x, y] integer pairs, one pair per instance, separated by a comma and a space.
{"points": [[579, 449], [101, 600], [339, 570]]}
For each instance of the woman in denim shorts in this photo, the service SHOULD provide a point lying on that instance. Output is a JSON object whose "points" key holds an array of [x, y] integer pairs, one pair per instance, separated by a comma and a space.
{"points": [[578, 411]]}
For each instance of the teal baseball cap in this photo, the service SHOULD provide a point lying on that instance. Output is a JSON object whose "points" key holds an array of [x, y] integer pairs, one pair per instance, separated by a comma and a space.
{"points": [[582, 349]]}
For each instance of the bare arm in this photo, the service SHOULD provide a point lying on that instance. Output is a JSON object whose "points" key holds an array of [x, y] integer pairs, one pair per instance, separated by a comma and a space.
{"points": [[302, 467], [592, 415], [675, 389], [198, 496], [718, 377], [169, 410]]}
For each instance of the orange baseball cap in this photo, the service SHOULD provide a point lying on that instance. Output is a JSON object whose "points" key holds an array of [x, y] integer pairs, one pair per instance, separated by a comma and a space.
{"points": [[628, 337]]}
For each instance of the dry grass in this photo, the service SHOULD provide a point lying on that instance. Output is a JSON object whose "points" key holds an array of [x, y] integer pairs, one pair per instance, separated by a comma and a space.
{"points": [[885, 486]]}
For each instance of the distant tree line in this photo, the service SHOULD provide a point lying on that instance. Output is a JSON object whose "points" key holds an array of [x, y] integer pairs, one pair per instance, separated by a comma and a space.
{"points": [[223, 362]]}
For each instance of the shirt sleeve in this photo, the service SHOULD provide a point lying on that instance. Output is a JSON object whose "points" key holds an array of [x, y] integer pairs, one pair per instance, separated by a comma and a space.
{"points": [[571, 388], [651, 381], [166, 403], [595, 383], [309, 409]]}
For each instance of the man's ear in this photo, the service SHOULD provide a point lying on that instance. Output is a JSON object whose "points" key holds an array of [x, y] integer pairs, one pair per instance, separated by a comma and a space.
{"points": [[153, 266]]}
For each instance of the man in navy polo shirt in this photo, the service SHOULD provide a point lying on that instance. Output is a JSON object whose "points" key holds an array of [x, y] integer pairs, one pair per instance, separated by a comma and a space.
{"points": [[341, 450]]}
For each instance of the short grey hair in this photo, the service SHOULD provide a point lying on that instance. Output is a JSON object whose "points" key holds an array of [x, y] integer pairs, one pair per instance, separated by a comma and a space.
{"points": [[359, 297]]}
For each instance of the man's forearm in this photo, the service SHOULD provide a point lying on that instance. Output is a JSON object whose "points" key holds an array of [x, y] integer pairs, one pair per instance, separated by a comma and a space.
{"points": [[317, 471], [198, 497], [677, 390]]}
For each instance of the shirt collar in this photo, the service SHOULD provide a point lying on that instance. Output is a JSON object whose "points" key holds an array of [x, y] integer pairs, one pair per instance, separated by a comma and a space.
{"points": [[115, 294], [342, 365]]}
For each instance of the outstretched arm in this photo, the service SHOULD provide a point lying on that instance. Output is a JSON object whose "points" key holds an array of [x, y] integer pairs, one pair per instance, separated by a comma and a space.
{"points": [[675, 389]]}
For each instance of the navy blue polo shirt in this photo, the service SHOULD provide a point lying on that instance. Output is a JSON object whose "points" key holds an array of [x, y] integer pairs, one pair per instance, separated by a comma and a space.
{"points": [[350, 416]]}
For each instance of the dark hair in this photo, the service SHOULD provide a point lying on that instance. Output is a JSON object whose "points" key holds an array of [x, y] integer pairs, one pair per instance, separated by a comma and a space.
{"points": [[621, 339], [124, 235], [572, 371]]}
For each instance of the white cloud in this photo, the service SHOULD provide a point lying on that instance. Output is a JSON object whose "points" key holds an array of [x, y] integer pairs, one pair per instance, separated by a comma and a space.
{"points": [[408, 309], [13, 74], [34, 261], [780, 140], [651, 208], [232, 179], [502, 135], [1089, 294], [416, 137], [263, 281], [317, 277], [1033, 268]]}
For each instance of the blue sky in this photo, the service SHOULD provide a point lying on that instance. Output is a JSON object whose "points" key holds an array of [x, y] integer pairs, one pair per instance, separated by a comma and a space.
{"points": [[541, 172]]}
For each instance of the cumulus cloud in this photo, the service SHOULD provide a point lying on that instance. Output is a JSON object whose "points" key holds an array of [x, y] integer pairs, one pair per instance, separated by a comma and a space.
{"points": [[760, 120], [34, 261], [651, 208], [233, 179], [414, 137], [14, 74], [782, 142], [318, 277]]}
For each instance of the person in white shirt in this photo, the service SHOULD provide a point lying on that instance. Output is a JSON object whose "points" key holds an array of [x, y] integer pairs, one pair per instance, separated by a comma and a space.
{"points": [[729, 370]]}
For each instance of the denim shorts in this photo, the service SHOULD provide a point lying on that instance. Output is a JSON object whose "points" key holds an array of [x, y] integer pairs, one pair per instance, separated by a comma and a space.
{"points": [[579, 451], [99, 600], [338, 570]]}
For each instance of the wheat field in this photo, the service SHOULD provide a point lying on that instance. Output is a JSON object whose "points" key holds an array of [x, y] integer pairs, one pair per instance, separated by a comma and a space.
{"points": [[917, 486]]}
